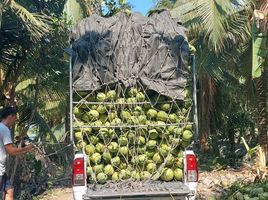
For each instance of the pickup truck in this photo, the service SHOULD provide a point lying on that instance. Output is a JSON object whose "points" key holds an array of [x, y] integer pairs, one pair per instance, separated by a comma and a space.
{"points": [[81, 79]]}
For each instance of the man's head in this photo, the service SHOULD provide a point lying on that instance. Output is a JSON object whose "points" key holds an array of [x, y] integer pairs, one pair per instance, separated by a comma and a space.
{"points": [[8, 116]]}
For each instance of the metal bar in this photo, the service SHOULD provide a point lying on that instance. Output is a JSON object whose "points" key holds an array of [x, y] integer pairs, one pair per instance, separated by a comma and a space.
{"points": [[141, 194], [193, 59], [133, 126], [125, 103], [71, 99]]}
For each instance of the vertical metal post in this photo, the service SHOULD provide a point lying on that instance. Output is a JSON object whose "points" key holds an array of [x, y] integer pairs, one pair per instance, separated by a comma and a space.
{"points": [[71, 99], [194, 96]]}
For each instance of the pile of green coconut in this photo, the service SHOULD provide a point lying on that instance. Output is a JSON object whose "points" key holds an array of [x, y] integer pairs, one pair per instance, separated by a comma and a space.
{"points": [[132, 134]]}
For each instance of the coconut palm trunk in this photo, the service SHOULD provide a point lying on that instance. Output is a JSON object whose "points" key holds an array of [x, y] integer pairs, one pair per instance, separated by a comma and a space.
{"points": [[1, 11], [260, 58], [262, 119], [207, 104]]}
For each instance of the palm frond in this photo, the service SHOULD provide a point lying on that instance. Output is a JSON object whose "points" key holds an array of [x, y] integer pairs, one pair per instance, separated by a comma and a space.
{"points": [[24, 84], [36, 24], [45, 131], [221, 22], [262, 6], [168, 4]]}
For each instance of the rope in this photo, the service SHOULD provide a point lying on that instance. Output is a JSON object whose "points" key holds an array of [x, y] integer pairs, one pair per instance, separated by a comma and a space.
{"points": [[124, 128]]}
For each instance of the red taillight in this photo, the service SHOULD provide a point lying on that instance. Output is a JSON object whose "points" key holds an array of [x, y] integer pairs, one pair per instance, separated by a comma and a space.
{"points": [[192, 170], [78, 172]]}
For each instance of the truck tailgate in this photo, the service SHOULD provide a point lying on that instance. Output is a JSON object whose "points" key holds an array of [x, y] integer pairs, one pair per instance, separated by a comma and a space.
{"points": [[137, 190]]}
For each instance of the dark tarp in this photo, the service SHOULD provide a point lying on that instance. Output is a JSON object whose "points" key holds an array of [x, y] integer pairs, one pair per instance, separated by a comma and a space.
{"points": [[151, 51]]}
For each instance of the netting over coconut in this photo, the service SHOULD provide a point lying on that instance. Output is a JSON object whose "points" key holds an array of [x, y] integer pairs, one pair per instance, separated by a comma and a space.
{"points": [[132, 103]]}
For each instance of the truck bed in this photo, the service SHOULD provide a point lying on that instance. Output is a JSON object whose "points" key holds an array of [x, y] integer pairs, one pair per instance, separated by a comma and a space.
{"points": [[137, 190]]}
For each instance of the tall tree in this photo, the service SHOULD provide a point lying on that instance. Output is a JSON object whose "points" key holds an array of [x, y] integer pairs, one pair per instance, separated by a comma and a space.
{"points": [[215, 27], [1, 11], [260, 61]]}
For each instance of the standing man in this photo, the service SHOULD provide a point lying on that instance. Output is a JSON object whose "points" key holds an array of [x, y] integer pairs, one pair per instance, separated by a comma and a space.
{"points": [[8, 118]]}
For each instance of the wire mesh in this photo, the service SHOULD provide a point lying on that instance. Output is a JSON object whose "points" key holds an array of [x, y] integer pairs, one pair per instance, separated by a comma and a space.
{"points": [[131, 133]]}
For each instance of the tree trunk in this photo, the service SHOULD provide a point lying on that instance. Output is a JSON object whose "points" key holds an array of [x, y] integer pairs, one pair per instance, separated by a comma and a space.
{"points": [[262, 119], [260, 29], [207, 93], [1, 11]]}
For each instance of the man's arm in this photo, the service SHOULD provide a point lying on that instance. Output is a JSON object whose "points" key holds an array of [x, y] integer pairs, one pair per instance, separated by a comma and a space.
{"points": [[13, 151]]}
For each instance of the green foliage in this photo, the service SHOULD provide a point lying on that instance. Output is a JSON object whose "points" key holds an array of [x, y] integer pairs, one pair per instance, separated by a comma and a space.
{"points": [[36, 24], [74, 11], [247, 191], [167, 4], [35, 71], [111, 7], [220, 23]]}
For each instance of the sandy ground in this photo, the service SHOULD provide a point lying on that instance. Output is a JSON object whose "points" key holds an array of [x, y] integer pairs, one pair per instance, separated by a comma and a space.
{"points": [[58, 194]]}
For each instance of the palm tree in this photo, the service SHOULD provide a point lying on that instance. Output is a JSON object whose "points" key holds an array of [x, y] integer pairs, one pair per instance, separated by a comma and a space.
{"points": [[1, 11], [260, 60], [36, 24], [223, 24], [215, 27]]}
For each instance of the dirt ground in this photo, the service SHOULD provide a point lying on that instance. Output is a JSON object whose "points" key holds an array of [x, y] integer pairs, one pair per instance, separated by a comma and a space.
{"points": [[216, 183], [58, 194]]}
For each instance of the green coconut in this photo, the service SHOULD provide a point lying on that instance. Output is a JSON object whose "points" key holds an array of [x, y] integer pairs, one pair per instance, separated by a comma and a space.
{"points": [[123, 150], [98, 168], [100, 148], [78, 135], [125, 115], [151, 144], [187, 135], [115, 161], [173, 118], [167, 175], [178, 174], [151, 113], [165, 107], [109, 170], [111, 95], [140, 97], [96, 125], [145, 175], [115, 176], [102, 178], [123, 141], [107, 157], [90, 149], [157, 158], [179, 162], [141, 140], [151, 167], [132, 92], [113, 147], [153, 134], [94, 139], [95, 158], [164, 150], [162, 116], [93, 115], [101, 97]]}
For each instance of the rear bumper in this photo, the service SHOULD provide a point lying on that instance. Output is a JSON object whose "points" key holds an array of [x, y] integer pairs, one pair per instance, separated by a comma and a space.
{"points": [[78, 192], [144, 198]]}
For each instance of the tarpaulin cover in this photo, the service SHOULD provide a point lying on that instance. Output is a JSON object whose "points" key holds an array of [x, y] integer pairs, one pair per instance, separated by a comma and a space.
{"points": [[151, 51]]}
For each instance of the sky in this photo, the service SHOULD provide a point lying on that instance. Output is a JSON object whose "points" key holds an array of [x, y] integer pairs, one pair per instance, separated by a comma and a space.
{"points": [[142, 6]]}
